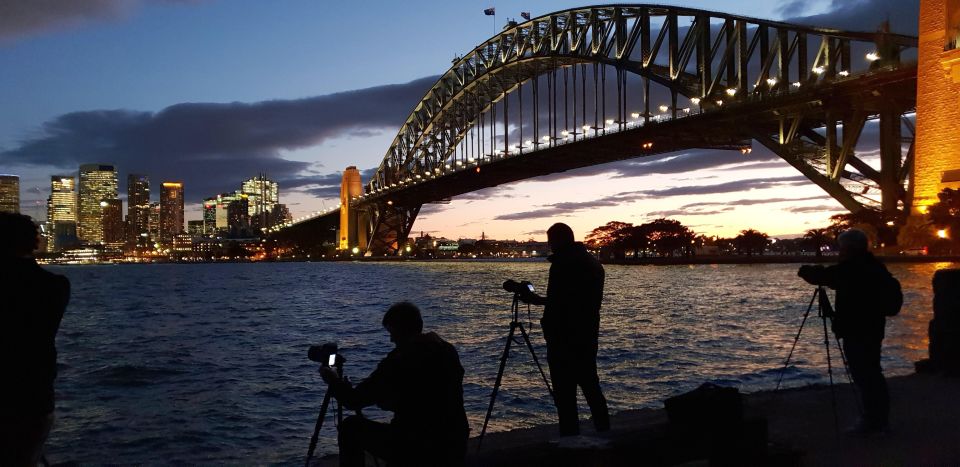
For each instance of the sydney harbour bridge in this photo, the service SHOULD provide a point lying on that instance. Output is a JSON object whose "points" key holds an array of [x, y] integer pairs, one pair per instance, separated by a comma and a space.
{"points": [[598, 84]]}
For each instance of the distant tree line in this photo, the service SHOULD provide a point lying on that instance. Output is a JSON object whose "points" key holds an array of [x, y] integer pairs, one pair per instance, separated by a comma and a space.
{"points": [[938, 232]]}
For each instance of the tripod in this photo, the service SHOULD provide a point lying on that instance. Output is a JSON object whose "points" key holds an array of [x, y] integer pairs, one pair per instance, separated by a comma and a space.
{"points": [[323, 413], [824, 311], [511, 338]]}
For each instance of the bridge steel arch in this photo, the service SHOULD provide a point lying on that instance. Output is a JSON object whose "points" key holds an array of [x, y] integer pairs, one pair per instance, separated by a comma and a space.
{"points": [[797, 90]]}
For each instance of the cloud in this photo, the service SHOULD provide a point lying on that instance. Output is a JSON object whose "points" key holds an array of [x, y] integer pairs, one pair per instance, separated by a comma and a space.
{"points": [[818, 208], [751, 202], [565, 208], [687, 212], [212, 146], [866, 15], [22, 18], [532, 233], [792, 8]]}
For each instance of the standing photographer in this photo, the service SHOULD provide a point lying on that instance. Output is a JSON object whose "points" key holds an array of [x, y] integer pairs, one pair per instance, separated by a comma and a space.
{"points": [[34, 301], [866, 292], [571, 326], [421, 382]]}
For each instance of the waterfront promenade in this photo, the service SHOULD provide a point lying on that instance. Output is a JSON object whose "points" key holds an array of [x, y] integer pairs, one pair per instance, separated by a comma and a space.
{"points": [[925, 427]]}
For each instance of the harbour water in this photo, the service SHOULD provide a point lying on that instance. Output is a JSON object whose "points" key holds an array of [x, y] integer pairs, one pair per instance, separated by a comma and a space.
{"points": [[206, 363]]}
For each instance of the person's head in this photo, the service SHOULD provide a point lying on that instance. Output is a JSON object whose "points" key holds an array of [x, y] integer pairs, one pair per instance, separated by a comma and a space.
{"points": [[18, 235], [559, 235], [403, 321], [852, 242]]}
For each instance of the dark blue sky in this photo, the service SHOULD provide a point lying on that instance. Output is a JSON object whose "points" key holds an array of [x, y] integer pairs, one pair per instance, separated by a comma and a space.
{"points": [[241, 86]]}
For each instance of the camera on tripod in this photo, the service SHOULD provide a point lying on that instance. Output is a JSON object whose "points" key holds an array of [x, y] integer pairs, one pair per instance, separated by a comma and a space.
{"points": [[518, 288], [325, 354]]}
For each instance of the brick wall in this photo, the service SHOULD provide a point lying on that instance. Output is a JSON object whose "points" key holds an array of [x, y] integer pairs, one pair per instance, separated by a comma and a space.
{"points": [[938, 104]]}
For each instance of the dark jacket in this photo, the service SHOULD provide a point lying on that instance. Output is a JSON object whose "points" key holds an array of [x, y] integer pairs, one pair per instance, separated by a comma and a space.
{"points": [[421, 382], [33, 301], [857, 280], [571, 317]]}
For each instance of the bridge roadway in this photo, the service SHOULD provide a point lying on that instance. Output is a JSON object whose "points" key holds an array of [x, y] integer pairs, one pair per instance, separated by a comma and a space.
{"points": [[732, 126]]}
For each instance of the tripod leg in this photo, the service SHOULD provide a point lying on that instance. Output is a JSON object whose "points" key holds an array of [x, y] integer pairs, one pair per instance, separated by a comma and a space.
{"points": [[316, 430], [526, 338], [846, 369], [833, 392], [496, 384], [797, 338]]}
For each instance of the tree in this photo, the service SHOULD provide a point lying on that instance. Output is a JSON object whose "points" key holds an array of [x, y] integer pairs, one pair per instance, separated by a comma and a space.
{"points": [[880, 228], [817, 238], [750, 241], [609, 236], [667, 236], [945, 215]]}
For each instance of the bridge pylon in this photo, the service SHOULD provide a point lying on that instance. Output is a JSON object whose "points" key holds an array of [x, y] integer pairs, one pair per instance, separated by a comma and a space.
{"points": [[353, 221]]}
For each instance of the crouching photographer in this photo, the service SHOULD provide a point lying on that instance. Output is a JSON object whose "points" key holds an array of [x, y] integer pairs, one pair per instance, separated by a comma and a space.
{"points": [[421, 382]]}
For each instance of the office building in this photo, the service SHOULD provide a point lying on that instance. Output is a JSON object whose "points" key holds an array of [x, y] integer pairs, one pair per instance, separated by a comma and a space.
{"points": [[98, 182], [210, 216], [195, 228], [138, 210], [171, 211], [154, 231], [262, 195], [112, 221], [61, 210], [9, 193]]}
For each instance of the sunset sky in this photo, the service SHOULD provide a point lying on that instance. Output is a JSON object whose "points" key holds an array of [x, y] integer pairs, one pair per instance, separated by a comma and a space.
{"points": [[210, 92]]}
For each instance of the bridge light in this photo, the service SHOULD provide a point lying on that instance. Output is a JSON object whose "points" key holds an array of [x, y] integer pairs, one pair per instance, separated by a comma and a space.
{"points": [[564, 133], [527, 143], [746, 150], [843, 73], [635, 115], [417, 176], [470, 160], [390, 202], [731, 92], [796, 84], [478, 169], [719, 102], [942, 233], [609, 121], [446, 166], [664, 108], [695, 101], [459, 162], [771, 82], [355, 250], [685, 110], [818, 69], [586, 128], [546, 138], [873, 56]]}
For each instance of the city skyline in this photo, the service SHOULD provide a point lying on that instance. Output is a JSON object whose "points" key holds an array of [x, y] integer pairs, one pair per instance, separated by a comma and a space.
{"points": [[307, 134]]}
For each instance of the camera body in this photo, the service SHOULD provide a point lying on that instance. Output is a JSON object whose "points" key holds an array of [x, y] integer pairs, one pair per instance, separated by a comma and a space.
{"points": [[325, 355], [519, 288]]}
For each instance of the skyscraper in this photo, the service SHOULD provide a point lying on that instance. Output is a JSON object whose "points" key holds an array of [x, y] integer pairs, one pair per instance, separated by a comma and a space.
{"points": [[171, 211], [9, 193], [138, 209], [61, 212], [98, 182], [210, 216], [112, 220], [262, 195]]}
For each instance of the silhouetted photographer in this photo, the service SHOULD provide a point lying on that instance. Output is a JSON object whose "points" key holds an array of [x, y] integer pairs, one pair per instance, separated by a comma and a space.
{"points": [[866, 294], [33, 304], [421, 382], [571, 326]]}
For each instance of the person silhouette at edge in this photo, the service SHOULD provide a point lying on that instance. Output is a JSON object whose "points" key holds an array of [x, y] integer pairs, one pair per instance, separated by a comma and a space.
{"points": [[858, 278], [421, 382], [33, 304], [571, 327]]}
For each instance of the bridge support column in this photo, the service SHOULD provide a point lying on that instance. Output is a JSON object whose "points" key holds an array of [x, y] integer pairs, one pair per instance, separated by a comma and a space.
{"points": [[351, 219], [389, 227]]}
